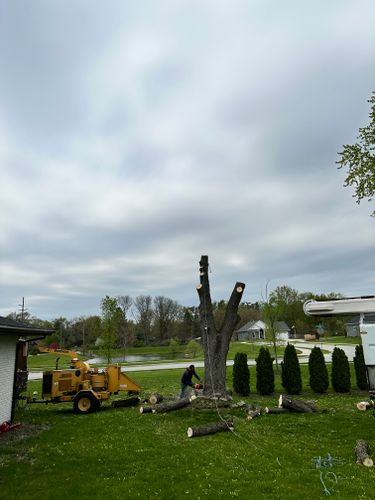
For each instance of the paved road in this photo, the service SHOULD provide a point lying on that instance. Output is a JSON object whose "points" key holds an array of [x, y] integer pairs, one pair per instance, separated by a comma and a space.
{"points": [[304, 347]]}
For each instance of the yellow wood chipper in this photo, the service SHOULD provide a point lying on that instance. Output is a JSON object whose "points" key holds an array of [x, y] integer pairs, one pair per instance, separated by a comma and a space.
{"points": [[86, 387]]}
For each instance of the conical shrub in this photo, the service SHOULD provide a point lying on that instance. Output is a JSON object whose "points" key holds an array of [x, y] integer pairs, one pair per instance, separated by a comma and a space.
{"points": [[340, 371], [241, 374], [264, 372], [291, 378], [360, 368], [318, 372]]}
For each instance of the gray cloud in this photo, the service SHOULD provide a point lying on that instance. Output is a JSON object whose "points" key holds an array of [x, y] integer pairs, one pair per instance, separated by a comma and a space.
{"points": [[138, 137]]}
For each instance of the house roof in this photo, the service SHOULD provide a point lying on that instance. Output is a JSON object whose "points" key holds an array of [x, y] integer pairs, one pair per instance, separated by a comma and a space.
{"points": [[281, 326], [12, 327], [251, 325]]}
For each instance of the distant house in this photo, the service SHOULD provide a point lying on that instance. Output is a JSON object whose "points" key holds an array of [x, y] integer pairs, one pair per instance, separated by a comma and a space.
{"points": [[352, 325], [256, 330], [253, 330], [283, 330], [13, 362]]}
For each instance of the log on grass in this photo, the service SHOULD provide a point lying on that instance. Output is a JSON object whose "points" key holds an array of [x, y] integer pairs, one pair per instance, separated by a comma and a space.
{"points": [[276, 410], [251, 414], [176, 405], [155, 398], [205, 430], [365, 405], [297, 405], [362, 453], [145, 409]]}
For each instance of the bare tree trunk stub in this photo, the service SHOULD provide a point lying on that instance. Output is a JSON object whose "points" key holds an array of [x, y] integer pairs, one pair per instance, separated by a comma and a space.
{"points": [[215, 341]]}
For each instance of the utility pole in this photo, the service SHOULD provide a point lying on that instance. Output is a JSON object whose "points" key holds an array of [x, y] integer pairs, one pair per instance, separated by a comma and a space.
{"points": [[23, 309], [83, 340]]}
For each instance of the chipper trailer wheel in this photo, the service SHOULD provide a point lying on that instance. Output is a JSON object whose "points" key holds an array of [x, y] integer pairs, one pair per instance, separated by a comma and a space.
{"points": [[85, 403]]}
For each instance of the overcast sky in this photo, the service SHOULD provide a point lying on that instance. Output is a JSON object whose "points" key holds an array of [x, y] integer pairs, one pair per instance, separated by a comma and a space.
{"points": [[137, 136]]}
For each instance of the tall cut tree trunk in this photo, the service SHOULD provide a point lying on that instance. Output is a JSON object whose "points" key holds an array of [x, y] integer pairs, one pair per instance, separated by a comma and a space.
{"points": [[215, 341]]}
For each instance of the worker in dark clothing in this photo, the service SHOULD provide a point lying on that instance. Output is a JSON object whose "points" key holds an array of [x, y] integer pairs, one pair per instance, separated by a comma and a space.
{"points": [[186, 380]]}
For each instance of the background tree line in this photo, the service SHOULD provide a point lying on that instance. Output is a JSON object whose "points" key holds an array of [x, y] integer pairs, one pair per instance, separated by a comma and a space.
{"points": [[124, 321]]}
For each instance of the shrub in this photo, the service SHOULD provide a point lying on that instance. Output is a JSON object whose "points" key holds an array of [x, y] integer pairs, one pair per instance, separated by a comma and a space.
{"points": [[318, 372], [264, 372], [241, 374], [340, 371], [174, 347], [360, 368], [193, 349], [291, 378]]}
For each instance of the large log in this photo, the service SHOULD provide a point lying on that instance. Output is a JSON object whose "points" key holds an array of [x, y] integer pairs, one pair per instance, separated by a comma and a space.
{"points": [[222, 426], [176, 405], [362, 453], [297, 405]]}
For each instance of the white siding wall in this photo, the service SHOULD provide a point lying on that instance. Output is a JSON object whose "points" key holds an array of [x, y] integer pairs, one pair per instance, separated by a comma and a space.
{"points": [[7, 363]]}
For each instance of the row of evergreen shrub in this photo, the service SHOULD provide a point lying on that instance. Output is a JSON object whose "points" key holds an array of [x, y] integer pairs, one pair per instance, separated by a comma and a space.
{"points": [[291, 378]]}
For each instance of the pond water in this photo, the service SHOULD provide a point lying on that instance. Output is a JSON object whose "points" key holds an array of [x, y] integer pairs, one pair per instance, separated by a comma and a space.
{"points": [[129, 358]]}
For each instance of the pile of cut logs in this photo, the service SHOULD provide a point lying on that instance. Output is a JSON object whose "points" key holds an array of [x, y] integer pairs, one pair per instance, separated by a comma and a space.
{"points": [[161, 404]]}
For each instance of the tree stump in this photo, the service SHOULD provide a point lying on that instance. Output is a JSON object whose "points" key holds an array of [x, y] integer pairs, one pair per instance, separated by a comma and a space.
{"points": [[210, 429], [362, 453], [297, 405]]}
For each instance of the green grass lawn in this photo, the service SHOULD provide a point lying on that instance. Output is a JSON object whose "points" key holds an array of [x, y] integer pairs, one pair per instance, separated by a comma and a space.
{"points": [[122, 454], [340, 340]]}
